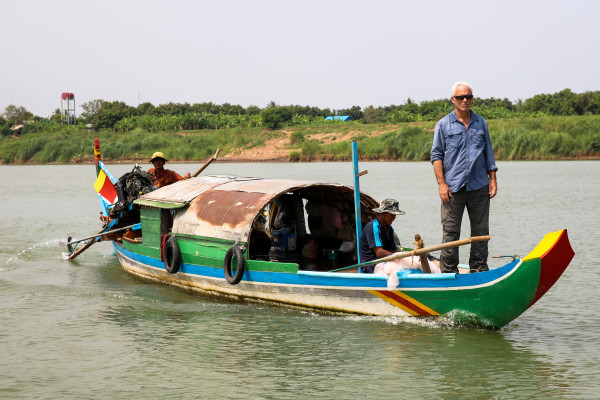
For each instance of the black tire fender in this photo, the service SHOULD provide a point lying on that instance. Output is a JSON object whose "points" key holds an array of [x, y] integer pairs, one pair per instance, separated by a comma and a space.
{"points": [[172, 255], [234, 278]]}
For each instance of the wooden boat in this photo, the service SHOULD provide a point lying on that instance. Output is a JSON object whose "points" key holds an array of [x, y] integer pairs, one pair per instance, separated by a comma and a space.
{"points": [[215, 235]]}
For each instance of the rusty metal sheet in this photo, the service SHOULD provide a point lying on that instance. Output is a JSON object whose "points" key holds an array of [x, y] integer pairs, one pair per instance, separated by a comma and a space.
{"points": [[185, 191], [221, 214], [265, 185]]}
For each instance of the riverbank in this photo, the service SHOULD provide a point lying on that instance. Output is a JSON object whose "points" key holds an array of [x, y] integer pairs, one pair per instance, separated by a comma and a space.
{"points": [[546, 138]]}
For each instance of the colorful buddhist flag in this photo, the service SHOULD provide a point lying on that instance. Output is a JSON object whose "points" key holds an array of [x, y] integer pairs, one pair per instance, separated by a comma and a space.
{"points": [[105, 188]]}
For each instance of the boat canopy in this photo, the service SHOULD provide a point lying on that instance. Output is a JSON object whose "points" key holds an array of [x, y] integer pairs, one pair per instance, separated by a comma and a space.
{"points": [[226, 207]]}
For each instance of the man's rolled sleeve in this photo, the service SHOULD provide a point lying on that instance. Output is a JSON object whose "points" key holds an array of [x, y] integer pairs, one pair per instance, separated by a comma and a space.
{"points": [[490, 160], [437, 149]]}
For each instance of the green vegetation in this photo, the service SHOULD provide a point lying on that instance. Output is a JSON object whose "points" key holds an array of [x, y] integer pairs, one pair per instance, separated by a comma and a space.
{"points": [[544, 138], [541, 138], [546, 126]]}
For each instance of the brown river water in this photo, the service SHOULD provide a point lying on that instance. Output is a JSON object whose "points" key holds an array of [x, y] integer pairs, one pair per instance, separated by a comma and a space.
{"points": [[84, 329]]}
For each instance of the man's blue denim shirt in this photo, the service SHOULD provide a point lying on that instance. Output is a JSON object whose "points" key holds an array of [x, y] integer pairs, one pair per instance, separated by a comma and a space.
{"points": [[466, 154]]}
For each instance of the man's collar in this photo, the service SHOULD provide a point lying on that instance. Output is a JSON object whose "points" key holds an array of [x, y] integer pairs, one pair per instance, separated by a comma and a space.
{"points": [[454, 118]]}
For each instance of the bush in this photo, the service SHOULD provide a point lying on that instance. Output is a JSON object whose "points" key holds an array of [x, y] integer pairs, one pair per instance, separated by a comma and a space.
{"points": [[297, 137]]}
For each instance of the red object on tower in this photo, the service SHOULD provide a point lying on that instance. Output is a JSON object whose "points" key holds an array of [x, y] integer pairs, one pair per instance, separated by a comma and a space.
{"points": [[67, 108]]}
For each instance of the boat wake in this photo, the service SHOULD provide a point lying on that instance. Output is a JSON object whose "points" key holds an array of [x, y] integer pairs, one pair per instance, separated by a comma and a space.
{"points": [[452, 320], [29, 253]]}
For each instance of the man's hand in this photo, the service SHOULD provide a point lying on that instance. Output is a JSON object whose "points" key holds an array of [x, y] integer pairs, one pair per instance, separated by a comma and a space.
{"points": [[187, 176], [445, 193], [493, 184]]}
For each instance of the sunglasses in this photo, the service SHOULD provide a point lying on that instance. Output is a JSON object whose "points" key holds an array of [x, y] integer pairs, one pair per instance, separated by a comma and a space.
{"points": [[468, 97]]}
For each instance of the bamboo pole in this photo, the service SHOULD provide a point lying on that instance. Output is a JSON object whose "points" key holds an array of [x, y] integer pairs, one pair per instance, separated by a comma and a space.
{"points": [[206, 163]]}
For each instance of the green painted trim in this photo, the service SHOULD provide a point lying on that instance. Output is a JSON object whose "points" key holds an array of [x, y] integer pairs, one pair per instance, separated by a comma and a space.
{"points": [[205, 239], [494, 305], [160, 204], [270, 266], [142, 249]]}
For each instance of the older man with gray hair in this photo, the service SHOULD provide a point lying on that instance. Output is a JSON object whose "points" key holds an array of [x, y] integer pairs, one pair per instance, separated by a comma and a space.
{"points": [[465, 169]]}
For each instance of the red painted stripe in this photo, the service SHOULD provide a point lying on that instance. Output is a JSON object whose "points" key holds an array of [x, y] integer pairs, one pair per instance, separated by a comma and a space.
{"points": [[404, 302], [554, 262]]}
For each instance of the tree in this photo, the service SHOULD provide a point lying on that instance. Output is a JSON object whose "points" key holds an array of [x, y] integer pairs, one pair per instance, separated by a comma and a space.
{"points": [[354, 112], [57, 116], [172, 109], [105, 114], [274, 117], [253, 110], [4, 127], [563, 103], [15, 114], [145, 108], [371, 115], [91, 108]]}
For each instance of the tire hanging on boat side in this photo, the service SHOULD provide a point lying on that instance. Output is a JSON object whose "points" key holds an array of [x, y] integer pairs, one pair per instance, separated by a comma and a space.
{"points": [[171, 255], [235, 278]]}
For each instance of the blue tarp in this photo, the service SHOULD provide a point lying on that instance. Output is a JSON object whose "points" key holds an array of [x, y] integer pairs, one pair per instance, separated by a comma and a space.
{"points": [[338, 118]]}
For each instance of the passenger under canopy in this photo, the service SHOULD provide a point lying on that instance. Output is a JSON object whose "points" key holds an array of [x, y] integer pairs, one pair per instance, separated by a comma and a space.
{"points": [[250, 210]]}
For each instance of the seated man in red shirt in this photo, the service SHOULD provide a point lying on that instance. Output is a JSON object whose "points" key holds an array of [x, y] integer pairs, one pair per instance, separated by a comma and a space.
{"points": [[160, 175]]}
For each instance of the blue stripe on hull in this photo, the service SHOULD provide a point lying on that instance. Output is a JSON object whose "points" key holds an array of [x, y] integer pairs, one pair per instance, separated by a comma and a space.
{"points": [[370, 281]]}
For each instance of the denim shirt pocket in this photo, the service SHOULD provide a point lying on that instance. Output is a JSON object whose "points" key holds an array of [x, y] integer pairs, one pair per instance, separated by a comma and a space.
{"points": [[478, 139], [454, 139]]}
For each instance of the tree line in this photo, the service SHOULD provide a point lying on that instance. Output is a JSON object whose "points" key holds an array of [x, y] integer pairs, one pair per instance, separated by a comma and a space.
{"points": [[120, 117]]}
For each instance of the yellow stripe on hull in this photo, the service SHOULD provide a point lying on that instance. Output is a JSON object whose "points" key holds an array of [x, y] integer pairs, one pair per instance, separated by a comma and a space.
{"points": [[546, 244]]}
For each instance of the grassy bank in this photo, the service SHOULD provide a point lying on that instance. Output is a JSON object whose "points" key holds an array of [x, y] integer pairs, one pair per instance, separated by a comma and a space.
{"points": [[545, 138]]}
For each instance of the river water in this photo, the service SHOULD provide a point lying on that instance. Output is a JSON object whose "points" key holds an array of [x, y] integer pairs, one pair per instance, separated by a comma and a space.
{"points": [[85, 329]]}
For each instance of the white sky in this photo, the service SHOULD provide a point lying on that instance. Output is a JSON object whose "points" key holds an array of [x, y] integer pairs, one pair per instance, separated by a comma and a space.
{"points": [[320, 53]]}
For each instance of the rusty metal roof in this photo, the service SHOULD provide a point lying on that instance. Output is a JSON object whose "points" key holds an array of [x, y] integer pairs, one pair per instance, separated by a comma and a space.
{"points": [[225, 207], [183, 192]]}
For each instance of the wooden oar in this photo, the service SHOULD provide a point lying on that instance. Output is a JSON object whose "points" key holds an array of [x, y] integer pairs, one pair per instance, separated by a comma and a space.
{"points": [[213, 158], [417, 252]]}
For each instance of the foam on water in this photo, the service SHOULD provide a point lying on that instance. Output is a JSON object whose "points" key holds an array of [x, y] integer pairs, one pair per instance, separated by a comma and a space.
{"points": [[29, 253]]}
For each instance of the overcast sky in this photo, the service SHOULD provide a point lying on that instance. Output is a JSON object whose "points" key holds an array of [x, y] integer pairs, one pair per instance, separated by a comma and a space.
{"points": [[320, 53]]}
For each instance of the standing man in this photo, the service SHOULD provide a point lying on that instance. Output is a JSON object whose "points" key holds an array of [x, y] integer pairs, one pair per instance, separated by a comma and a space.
{"points": [[378, 239], [465, 169], [160, 175]]}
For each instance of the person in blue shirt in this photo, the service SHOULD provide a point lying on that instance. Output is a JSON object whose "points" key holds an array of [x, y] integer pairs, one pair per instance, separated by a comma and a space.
{"points": [[378, 239], [465, 169]]}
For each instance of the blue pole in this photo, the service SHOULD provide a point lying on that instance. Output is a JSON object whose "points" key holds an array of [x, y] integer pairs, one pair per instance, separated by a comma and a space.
{"points": [[357, 213]]}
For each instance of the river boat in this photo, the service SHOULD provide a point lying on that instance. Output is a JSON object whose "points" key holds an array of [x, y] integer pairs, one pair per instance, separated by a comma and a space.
{"points": [[292, 243]]}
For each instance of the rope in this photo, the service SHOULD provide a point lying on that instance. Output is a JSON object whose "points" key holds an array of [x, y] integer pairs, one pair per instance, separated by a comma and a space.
{"points": [[162, 246]]}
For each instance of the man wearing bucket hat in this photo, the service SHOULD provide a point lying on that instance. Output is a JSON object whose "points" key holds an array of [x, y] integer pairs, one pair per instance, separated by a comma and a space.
{"points": [[160, 175], [378, 239]]}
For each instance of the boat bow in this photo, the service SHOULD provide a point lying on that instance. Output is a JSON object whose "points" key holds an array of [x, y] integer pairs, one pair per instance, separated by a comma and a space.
{"points": [[555, 254]]}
